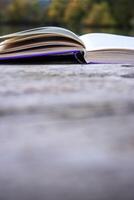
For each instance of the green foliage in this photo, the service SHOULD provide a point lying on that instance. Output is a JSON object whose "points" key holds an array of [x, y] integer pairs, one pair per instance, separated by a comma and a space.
{"points": [[56, 11], [75, 11], [123, 11], [73, 14], [23, 11], [99, 15]]}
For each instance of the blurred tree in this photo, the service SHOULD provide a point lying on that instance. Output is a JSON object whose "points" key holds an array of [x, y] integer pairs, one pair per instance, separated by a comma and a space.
{"points": [[2, 9], [74, 13], [99, 15], [123, 11], [23, 11], [1, 16], [55, 11], [35, 13]]}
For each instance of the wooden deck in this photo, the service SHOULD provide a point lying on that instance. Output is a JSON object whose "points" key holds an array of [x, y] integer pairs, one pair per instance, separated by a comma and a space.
{"points": [[66, 132]]}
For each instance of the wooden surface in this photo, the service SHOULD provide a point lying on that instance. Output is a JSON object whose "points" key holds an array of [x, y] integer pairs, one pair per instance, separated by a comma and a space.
{"points": [[66, 132]]}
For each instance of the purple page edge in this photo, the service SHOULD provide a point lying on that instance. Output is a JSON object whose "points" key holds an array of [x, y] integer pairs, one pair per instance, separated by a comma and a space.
{"points": [[39, 55]]}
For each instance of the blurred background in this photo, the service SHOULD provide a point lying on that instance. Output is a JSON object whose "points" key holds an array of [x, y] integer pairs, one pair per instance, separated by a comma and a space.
{"points": [[80, 16]]}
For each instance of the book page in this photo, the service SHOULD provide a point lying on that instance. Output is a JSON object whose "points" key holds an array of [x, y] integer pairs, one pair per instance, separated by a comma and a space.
{"points": [[104, 41], [44, 40], [44, 30]]}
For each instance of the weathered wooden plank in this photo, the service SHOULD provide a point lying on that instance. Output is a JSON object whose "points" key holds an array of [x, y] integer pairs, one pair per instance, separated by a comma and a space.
{"points": [[66, 132]]}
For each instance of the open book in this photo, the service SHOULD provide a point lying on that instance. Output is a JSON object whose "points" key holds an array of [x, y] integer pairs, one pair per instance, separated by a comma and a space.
{"points": [[51, 42]]}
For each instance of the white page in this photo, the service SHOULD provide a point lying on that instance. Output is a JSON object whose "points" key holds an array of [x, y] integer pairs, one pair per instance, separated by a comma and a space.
{"points": [[99, 41]]}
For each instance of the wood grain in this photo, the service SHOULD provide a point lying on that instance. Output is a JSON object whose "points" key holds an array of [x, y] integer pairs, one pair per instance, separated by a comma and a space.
{"points": [[66, 132]]}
